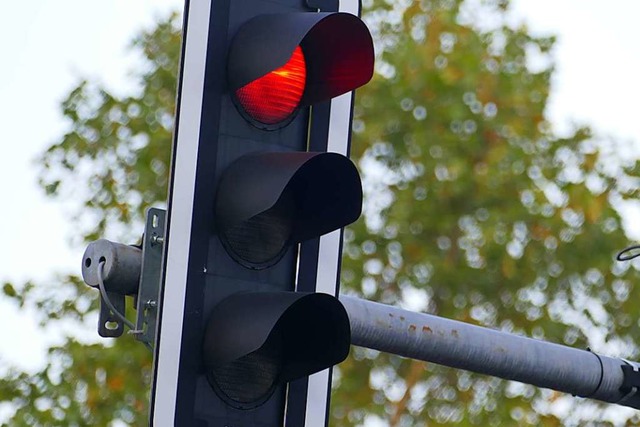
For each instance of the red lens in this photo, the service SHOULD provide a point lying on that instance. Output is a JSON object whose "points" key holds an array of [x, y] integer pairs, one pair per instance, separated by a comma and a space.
{"points": [[275, 96]]}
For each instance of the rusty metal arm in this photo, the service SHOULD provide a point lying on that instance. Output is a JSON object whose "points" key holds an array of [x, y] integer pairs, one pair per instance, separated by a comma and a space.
{"points": [[461, 345]]}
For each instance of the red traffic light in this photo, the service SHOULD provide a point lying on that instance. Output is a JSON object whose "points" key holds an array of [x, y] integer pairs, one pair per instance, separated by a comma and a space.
{"points": [[275, 96], [280, 62]]}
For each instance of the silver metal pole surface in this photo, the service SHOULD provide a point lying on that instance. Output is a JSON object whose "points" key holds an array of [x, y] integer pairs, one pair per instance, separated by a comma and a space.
{"points": [[488, 351]]}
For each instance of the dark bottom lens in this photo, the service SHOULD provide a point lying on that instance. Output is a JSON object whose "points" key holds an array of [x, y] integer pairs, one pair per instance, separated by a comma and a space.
{"points": [[250, 380]]}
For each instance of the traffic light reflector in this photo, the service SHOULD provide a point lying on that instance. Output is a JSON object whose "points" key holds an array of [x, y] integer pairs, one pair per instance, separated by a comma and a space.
{"points": [[336, 51], [274, 97], [255, 341], [267, 202]]}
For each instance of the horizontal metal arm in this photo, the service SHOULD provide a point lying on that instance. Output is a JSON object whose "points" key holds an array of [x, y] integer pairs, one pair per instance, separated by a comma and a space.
{"points": [[461, 345]]}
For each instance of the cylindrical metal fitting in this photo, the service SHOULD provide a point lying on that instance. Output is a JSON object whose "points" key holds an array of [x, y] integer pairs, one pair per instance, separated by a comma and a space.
{"points": [[122, 266]]}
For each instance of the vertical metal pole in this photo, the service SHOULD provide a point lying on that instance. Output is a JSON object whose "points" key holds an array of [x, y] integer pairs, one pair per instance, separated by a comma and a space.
{"points": [[487, 351]]}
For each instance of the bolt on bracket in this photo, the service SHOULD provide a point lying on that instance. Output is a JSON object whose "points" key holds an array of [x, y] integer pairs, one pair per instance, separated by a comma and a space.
{"points": [[128, 270], [150, 271]]}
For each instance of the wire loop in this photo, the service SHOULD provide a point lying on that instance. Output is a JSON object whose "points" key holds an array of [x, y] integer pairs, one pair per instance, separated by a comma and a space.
{"points": [[627, 253]]}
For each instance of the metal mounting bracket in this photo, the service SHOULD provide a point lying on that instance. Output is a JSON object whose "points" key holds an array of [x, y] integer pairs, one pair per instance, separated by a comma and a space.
{"points": [[109, 325], [149, 287]]}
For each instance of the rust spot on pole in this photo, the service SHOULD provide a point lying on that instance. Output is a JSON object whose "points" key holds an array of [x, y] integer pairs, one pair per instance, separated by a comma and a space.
{"points": [[425, 328], [454, 332], [412, 328]]}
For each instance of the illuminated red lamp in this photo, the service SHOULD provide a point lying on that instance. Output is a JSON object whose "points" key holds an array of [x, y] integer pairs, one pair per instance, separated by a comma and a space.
{"points": [[274, 97], [280, 63]]}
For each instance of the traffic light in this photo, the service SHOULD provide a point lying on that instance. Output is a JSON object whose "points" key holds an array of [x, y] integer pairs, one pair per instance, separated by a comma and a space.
{"points": [[261, 187]]}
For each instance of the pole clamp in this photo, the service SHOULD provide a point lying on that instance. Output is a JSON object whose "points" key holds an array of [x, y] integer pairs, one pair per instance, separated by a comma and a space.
{"points": [[630, 382]]}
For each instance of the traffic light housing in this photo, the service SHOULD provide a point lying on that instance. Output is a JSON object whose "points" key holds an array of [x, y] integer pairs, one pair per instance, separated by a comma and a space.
{"points": [[278, 346], [268, 201], [279, 62], [253, 188]]}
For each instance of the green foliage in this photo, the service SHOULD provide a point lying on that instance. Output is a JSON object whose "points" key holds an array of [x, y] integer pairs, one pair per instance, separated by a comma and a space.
{"points": [[82, 385], [475, 210], [118, 147]]}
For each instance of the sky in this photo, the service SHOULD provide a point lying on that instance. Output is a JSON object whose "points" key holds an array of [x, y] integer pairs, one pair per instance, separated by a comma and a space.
{"points": [[48, 46]]}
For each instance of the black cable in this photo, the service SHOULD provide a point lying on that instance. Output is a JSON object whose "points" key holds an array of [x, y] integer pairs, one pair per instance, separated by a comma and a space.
{"points": [[622, 255]]}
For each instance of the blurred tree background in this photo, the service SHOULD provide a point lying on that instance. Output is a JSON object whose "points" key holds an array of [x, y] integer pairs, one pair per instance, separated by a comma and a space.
{"points": [[475, 209]]}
